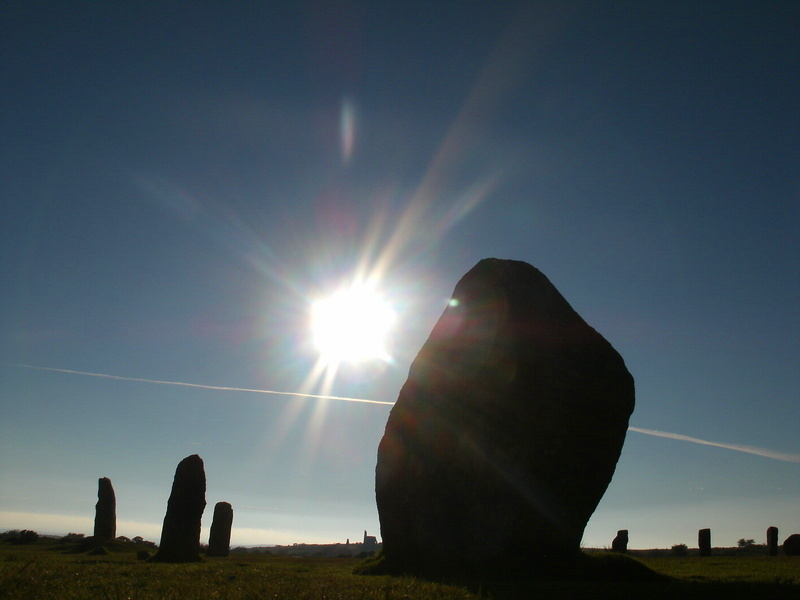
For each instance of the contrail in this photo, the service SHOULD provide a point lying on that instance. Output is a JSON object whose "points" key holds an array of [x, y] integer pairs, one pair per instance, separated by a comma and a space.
{"points": [[206, 387], [793, 458], [765, 452]]}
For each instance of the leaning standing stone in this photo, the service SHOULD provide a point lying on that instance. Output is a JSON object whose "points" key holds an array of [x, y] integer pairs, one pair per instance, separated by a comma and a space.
{"points": [[506, 433], [219, 540], [180, 535], [105, 512]]}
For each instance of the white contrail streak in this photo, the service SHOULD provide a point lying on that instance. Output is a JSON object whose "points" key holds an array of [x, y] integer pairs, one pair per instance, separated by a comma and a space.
{"points": [[765, 452], [206, 387], [793, 458]]}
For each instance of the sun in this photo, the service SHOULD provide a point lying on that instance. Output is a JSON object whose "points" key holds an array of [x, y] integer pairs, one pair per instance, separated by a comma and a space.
{"points": [[352, 325]]}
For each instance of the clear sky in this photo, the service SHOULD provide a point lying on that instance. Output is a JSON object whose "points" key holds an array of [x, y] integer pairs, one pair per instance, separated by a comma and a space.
{"points": [[181, 181]]}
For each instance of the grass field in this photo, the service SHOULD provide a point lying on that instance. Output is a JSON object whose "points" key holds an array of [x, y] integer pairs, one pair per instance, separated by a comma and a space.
{"points": [[52, 571]]}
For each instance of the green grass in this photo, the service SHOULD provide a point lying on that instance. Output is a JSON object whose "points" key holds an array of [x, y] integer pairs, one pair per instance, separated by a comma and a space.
{"points": [[764, 569], [50, 571], [40, 574]]}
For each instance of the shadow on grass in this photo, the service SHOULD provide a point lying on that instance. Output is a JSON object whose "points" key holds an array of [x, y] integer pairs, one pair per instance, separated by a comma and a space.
{"points": [[603, 566], [597, 576]]}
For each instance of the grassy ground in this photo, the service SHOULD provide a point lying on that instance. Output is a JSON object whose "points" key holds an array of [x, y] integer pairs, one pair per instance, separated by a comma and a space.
{"points": [[764, 569], [48, 571]]}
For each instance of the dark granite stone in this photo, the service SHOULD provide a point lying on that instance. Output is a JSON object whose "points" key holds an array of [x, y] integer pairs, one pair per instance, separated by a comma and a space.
{"points": [[180, 535], [506, 433], [704, 542], [791, 545], [219, 540], [105, 512], [772, 541], [620, 543]]}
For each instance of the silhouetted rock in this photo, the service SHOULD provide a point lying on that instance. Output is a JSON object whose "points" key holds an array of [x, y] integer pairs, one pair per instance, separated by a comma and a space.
{"points": [[219, 540], [620, 543], [772, 541], [105, 512], [791, 545], [704, 542], [180, 535], [506, 433]]}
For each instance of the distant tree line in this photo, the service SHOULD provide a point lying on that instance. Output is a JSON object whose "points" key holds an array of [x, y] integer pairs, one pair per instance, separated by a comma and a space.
{"points": [[16, 536], [27, 536]]}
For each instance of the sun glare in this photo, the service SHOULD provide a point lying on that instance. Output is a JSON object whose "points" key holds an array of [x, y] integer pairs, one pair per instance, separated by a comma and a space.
{"points": [[352, 325]]}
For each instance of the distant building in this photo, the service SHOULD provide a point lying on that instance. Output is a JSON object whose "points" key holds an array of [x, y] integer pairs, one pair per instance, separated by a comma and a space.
{"points": [[370, 542]]}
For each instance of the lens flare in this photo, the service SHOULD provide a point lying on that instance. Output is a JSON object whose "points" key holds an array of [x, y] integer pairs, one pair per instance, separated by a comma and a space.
{"points": [[347, 129], [352, 325]]}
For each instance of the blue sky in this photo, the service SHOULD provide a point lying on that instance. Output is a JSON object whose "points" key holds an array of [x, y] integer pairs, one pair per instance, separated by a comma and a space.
{"points": [[181, 181]]}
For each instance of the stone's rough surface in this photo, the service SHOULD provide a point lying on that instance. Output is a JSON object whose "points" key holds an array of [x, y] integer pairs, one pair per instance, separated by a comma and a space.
{"points": [[105, 512], [219, 540], [791, 545], [704, 542], [180, 535], [507, 431], [620, 543], [772, 541]]}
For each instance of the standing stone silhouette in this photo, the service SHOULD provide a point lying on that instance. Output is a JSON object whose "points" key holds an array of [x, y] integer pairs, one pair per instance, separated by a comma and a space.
{"points": [[704, 542], [791, 545], [180, 535], [105, 512], [772, 541], [219, 540], [620, 543], [506, 433]]}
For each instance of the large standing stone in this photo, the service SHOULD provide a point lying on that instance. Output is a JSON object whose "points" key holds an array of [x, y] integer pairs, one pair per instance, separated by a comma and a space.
{"points": [[105, 512], [219, 540], [180, 535], [506, 433]]}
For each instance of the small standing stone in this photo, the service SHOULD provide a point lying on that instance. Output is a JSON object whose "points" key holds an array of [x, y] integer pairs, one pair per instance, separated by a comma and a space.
{"points": [[180, 535], [704, 542], [772, 541], [105, 512], [219, 540], [620, 543], [791, 545]]}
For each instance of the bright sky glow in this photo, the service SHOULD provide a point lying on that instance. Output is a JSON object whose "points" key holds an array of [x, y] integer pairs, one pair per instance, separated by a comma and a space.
{"points": [[155, 269], [352, 325]]}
